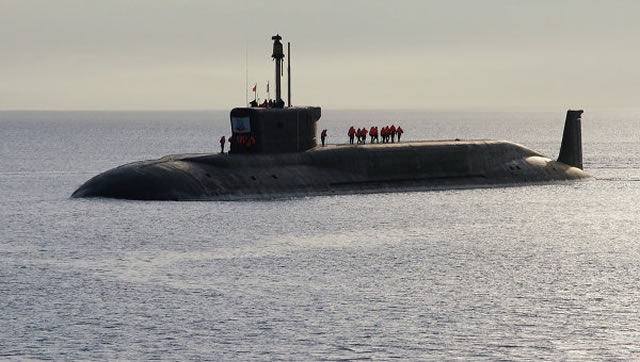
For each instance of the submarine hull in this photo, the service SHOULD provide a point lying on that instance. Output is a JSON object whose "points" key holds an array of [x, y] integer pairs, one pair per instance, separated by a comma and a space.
{"points": [[274, 153], [414, 166]]}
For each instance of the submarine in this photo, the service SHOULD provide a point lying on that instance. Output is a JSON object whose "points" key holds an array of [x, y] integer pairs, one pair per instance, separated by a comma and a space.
{"points": [[274, 153]]}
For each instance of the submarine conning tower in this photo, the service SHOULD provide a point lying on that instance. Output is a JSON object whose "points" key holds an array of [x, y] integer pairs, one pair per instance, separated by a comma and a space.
{"points": [[272, 127]]}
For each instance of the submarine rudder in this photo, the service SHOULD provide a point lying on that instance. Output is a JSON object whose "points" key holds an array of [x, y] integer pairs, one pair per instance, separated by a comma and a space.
{"points": [[571, 146]]}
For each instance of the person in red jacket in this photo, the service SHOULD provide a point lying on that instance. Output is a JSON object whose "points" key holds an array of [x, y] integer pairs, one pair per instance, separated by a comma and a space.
{"points": [[364, 135], [249, 142], [323, 136], [392, 131], [372, 133], [222, 141], [399, 131], [351, 134]]}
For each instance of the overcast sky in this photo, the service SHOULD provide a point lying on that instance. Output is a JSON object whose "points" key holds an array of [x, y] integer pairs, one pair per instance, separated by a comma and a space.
{"points": [[448, 54]]}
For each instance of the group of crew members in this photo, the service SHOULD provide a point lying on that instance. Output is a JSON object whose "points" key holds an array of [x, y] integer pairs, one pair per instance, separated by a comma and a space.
{"points": [[267, 104], [388, 134], [244, 141]]}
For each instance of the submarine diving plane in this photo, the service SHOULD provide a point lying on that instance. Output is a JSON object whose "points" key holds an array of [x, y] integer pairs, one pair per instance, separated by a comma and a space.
{"points": [[284, 160]]}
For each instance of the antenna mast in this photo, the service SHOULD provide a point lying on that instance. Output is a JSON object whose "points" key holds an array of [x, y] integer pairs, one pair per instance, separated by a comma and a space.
{"points": [[246, 74], [278, 56], [288, 74]]}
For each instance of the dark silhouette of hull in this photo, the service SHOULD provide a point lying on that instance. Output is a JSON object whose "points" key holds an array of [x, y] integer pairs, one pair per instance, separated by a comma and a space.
{"points": [[343, 169], [274, 153]]}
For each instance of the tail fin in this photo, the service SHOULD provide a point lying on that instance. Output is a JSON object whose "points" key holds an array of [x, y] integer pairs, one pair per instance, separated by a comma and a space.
{"points": [[571, 148]]}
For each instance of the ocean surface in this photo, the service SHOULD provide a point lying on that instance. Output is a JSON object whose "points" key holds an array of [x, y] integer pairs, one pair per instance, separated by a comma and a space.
{"points": [[542, 272]]}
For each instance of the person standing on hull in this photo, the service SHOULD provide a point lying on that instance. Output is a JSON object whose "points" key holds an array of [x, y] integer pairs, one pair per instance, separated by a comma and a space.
{"points": [[392, 131], [231, 140], [399, 131], [323, 136], [351, 134], [222, 141], [248, 142]]}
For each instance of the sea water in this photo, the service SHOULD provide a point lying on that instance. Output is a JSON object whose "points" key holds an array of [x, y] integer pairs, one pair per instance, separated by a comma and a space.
{"points": [[548, 272]]}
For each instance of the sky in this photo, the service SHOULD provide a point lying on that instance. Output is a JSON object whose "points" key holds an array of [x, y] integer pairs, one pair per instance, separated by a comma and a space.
{"points": [[345, 54]]}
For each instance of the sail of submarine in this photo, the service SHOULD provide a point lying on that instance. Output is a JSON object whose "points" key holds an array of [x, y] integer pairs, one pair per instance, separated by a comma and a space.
{"points": [[285, 161]]}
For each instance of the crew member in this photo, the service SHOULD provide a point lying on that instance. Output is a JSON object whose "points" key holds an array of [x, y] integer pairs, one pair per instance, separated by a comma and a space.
{"points": [[399, 131], [323, 136], [240, 140], [392, 131], [222, 141], [250, 141], [351, 134]]}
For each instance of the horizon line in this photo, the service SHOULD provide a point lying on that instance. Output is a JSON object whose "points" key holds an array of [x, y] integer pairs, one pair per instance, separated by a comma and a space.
{"points": [[341, 109]]}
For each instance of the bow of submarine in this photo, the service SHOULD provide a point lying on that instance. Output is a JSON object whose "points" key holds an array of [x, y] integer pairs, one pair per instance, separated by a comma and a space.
{"points": [[143, 181]]}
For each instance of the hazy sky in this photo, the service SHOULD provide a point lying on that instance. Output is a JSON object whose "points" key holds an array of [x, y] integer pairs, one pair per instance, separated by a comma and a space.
{"points": [[453, 54]]}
